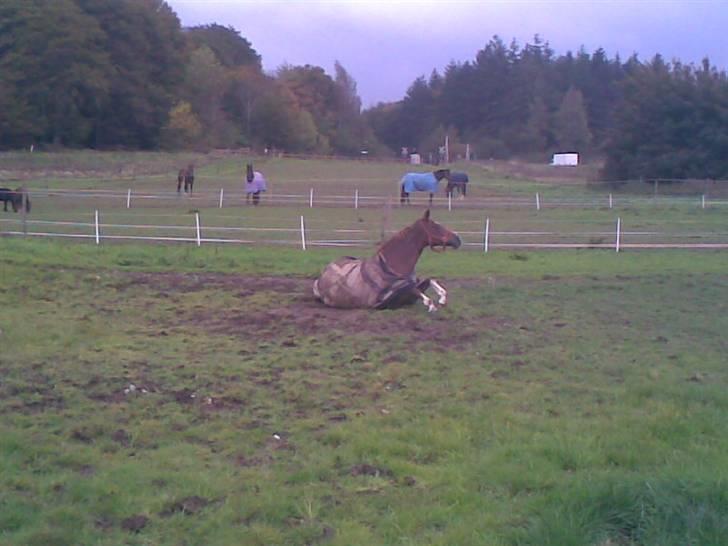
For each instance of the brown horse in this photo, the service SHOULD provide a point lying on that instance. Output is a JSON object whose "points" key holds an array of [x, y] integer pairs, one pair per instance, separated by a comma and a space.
{"points": [[186, 176], [15, 198], [387, 279]]}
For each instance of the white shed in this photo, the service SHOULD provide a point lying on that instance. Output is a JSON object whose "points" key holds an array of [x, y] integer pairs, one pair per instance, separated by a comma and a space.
{"points": [[565, 160]]}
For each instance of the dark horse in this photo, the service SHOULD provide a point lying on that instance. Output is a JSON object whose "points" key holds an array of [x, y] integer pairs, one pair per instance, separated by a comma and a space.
{"points": [[420, 182], [15, 198], [387, 279], [186, 176], [457, 181], [254, 184]]}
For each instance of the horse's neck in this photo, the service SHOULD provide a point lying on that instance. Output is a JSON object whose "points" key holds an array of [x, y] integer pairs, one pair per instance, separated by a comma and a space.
{"points": [[403, 250]]}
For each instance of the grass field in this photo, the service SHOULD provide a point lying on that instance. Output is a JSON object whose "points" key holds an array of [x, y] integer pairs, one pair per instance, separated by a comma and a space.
{"points": [[175, 395], [571, 212]]}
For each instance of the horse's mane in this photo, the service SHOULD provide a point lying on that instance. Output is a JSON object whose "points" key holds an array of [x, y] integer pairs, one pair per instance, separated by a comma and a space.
{"points": [[397, 237]]}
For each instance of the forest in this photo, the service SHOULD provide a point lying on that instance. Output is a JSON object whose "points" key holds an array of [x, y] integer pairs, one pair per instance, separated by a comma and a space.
{"points": [[130, 76]]}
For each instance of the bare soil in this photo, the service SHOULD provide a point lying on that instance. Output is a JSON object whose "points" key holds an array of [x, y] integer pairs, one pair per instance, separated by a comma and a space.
{"points": [[293, 312]]}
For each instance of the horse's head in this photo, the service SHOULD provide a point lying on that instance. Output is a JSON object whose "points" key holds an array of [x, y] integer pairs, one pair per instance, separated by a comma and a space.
{"points": [[442, 173], [249, 175], [437, 234]]}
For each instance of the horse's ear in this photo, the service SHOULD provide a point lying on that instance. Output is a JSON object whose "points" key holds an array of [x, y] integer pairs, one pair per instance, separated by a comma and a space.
{"points": [[426, 216]]}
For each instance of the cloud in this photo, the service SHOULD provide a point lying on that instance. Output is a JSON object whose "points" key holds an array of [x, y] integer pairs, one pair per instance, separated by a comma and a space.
{"points": [[385, 45]]}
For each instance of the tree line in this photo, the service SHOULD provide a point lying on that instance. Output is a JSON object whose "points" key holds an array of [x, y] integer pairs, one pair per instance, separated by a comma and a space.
{"points": [[130, 76]]}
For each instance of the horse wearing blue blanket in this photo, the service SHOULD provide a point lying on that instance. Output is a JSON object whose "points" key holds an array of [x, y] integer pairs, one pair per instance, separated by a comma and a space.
{"points": [[412, 182]]}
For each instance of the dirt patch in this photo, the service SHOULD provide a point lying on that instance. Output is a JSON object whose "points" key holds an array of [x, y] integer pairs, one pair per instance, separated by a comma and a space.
{"points": [[187, 506], [134, 524], [292, 309], [365, 469]]}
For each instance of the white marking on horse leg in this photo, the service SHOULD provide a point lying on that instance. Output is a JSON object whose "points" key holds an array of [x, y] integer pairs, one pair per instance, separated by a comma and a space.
{"points": [[441, 292], [431, 307]]}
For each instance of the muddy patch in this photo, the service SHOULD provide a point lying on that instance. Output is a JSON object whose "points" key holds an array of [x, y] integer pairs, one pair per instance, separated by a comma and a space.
{"points": [[291, 308]]}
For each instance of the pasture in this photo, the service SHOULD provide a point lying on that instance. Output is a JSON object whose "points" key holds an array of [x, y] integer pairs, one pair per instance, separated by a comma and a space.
{"points": [[170, 394]]}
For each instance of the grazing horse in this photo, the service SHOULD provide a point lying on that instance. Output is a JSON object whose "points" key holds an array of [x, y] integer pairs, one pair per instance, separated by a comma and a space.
{"points": [[254, 184], [15, 197], [420, 182], [457, 181], [387, 279], [186, 176]]}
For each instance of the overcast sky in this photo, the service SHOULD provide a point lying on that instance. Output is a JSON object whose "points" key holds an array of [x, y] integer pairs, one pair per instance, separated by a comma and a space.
{"points": [[386, 44]]}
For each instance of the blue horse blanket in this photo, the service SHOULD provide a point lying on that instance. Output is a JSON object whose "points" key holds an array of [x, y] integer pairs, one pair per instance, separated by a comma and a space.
{"points": [[412, 182], [258, 183]]}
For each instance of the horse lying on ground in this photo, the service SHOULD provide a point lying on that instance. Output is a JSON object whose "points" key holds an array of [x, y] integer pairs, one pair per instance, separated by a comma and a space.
{"points": [[420, 182], [387, 280], [15, 198], [186, 176], [254, 184], [457, 181]]}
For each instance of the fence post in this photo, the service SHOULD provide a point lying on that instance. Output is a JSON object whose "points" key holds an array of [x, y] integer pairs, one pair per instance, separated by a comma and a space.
{"points": [[538, 202], [702, 201], [197, 224], [24, 209], [619, 234], [303, 235], [486, 235], [98, 235], [221, 194], [449, 200], [610, 200], [128, 199], [310, 199], [356, 199]]}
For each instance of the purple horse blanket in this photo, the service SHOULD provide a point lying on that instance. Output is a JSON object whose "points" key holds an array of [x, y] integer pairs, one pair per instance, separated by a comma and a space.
{"points": [[258, 183], [412, 182]]}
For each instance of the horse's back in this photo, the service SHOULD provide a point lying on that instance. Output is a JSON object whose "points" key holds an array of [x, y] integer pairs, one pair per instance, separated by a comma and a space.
{"points": [[412, 182], [350, 283], [459, 177]]}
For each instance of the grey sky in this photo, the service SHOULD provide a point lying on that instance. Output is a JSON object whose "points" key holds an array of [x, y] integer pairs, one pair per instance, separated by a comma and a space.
{"points": [[385, 45]]}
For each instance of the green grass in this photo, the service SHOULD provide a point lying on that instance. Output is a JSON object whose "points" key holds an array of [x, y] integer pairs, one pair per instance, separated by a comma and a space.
{"points": [[561, 398]]}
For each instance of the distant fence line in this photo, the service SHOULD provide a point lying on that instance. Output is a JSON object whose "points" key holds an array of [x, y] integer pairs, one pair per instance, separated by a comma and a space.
{"points": [[356, 199], [484, 239]]}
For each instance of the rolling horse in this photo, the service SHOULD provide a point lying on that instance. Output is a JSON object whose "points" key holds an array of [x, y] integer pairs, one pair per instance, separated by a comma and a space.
{"points": [[254, 184], [387, 280], [457, 181], [15, 198], [420, 182], [186, 176]]}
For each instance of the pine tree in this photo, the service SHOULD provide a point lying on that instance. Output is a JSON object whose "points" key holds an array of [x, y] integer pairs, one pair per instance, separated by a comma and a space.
{"points": [[571, 127]]}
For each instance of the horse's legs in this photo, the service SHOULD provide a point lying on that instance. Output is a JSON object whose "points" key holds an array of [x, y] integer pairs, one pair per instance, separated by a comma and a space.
{"points": [[430, 199], [256, 198], [179, 184], [441, 292], [431, 307]]}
